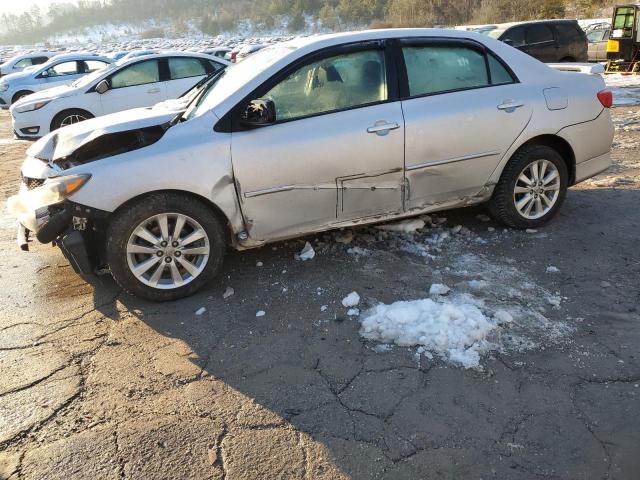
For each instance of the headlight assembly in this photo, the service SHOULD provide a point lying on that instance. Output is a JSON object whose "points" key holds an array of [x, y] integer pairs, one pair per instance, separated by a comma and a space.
{"points": [[30, 107], [55, 190]]}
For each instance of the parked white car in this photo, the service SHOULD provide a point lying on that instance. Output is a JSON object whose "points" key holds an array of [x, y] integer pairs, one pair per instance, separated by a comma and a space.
{"points": [[18, 63], [136, 82], [315, 134], [59, 70]]}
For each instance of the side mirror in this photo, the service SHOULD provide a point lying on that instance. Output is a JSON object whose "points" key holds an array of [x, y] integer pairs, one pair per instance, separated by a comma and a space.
{"points": [[102, 87], [259, 113], [508, 42], [45, 74]]}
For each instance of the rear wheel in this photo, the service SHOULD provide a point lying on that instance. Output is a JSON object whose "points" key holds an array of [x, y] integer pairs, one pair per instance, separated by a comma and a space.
{"points": [[20, 94], [69, 117], [531, 188], [165, 246]]}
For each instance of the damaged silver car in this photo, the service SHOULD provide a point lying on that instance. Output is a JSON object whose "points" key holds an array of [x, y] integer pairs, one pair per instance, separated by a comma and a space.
{"points": [[310, 135]]}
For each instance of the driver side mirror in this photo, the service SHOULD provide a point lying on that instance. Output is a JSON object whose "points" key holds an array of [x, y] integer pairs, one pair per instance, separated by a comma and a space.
{"points": [[45, 74], [508, 41], [102, 87], [259, 113]]}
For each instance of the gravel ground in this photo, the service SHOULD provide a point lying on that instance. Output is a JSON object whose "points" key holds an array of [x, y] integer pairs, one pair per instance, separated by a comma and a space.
{"points": [[97, 384]]}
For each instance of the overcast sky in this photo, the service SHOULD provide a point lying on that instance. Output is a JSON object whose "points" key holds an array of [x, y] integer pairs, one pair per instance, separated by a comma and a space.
{"points": [[11, 6]]}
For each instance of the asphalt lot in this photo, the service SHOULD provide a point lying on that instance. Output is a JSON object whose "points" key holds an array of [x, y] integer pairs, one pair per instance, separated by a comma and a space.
{"points": [[95, 384]]}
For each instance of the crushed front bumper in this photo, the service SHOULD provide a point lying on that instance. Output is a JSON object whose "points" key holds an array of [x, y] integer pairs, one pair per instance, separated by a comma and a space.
{"points": [[78, 231]]}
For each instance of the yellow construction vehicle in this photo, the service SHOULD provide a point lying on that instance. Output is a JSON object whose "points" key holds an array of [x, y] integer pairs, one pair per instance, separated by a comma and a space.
{"points": [[623, 47]]}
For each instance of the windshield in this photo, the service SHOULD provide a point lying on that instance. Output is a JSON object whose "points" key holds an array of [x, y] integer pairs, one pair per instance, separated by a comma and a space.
{"points": [[90, 77], [235, 77]]}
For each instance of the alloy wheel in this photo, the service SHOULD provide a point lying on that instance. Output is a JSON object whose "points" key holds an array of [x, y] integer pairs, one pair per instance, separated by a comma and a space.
{"points": [[168, 251], [71, 119], [537, 189]]}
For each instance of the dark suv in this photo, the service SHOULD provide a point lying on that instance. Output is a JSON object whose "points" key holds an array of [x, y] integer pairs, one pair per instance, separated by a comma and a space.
{"points": [[547, 40]]}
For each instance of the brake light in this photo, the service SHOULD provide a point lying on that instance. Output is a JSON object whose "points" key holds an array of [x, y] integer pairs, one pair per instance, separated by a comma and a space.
{"points": [[606, 98]]}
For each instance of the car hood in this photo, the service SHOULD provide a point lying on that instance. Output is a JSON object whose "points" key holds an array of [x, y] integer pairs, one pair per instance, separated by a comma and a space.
{"points": [[65, 141], [16, 76], [49, 94]]}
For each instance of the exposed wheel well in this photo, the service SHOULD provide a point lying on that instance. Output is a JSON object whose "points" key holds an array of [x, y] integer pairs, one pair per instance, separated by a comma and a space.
{"points": [[20, 93], [214, 208], [568, 59], [561, 146]]}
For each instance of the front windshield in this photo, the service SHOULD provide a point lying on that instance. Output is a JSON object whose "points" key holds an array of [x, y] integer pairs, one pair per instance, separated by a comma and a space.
{"points": [[235, 77], [90, 77]]}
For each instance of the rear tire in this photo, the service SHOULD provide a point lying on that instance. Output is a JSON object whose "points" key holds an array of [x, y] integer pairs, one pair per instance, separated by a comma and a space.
{"points": [[170, 271], [69, 117], [19, 95], [531, 189]]}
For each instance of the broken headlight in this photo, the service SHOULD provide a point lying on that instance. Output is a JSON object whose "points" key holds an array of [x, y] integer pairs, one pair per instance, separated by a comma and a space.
{"points": [[54, 190]]}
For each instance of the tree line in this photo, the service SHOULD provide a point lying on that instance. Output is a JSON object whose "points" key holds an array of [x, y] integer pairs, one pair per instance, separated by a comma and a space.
{"points": [[218, 16]]}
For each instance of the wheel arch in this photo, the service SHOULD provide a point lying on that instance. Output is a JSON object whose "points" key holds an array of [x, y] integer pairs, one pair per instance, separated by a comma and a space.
{"points": [[560, 145], [215, 209], [14, 97], [71, 109]]}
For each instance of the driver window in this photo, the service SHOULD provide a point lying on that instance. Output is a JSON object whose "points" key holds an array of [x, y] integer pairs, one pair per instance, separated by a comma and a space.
{"points": [[334, 83], [136, 74], [61, 69]]}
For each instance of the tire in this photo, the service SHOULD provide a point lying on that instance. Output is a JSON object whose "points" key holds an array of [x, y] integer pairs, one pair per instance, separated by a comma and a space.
{"points": [[121, 240], [19, 95], [68, 115], [567, 60], [508, 205]]}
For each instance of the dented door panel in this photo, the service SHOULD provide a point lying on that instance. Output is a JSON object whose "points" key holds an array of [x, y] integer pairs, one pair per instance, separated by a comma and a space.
{"points": [[297, 176], [455, 140]]}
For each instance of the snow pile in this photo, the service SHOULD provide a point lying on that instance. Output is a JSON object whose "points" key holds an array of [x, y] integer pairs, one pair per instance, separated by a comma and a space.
{"points": [[625, 88], [455, 330], [438, 289]]}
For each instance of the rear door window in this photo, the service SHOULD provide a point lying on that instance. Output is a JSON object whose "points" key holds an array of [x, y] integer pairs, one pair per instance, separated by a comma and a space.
{"points": [[539, 34], [137, 74], [436, 69], [515, 36], [39, 60], [185, 67], [499, 73], [93, 65]]}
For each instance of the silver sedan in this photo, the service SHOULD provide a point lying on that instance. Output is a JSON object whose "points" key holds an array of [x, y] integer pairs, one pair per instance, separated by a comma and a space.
{"points": [[310, 135]]}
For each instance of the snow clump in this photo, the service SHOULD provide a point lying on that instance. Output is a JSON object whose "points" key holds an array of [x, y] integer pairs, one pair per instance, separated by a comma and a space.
{"points": [[351, 300], [454, 330]]}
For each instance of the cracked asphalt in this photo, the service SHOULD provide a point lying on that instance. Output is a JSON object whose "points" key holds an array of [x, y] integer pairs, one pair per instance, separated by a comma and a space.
{"points": [[95, 384]]}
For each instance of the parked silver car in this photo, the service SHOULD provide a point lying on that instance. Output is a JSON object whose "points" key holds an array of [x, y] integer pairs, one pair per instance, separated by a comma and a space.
{"points": [[314, 134]]}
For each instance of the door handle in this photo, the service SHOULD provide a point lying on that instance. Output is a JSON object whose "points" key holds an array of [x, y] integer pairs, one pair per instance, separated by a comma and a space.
{"points": [[382, 127], [510, 106], [154, 90]]}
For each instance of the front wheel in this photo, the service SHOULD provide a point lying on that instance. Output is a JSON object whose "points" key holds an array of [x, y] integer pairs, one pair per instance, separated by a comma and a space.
{"points": [[531, 188], [165, 246], [69, 117]]}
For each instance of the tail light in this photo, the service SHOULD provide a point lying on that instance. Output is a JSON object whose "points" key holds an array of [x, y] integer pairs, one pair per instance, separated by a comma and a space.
{"points": [[606, 98]]}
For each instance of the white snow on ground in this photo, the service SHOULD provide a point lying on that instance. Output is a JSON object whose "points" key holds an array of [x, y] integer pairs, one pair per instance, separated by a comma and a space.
{"points": [[508, 299], [351, 300], [455, 330], [438, 289], [307, 253], [625, 88]]}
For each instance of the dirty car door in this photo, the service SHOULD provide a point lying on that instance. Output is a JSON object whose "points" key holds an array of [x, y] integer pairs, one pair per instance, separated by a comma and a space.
{"points": [[463, 109], [334, 153]]}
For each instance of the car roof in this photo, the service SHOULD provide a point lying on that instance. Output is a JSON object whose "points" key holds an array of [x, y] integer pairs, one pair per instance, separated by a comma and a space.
{"points": [[168, 54]]}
